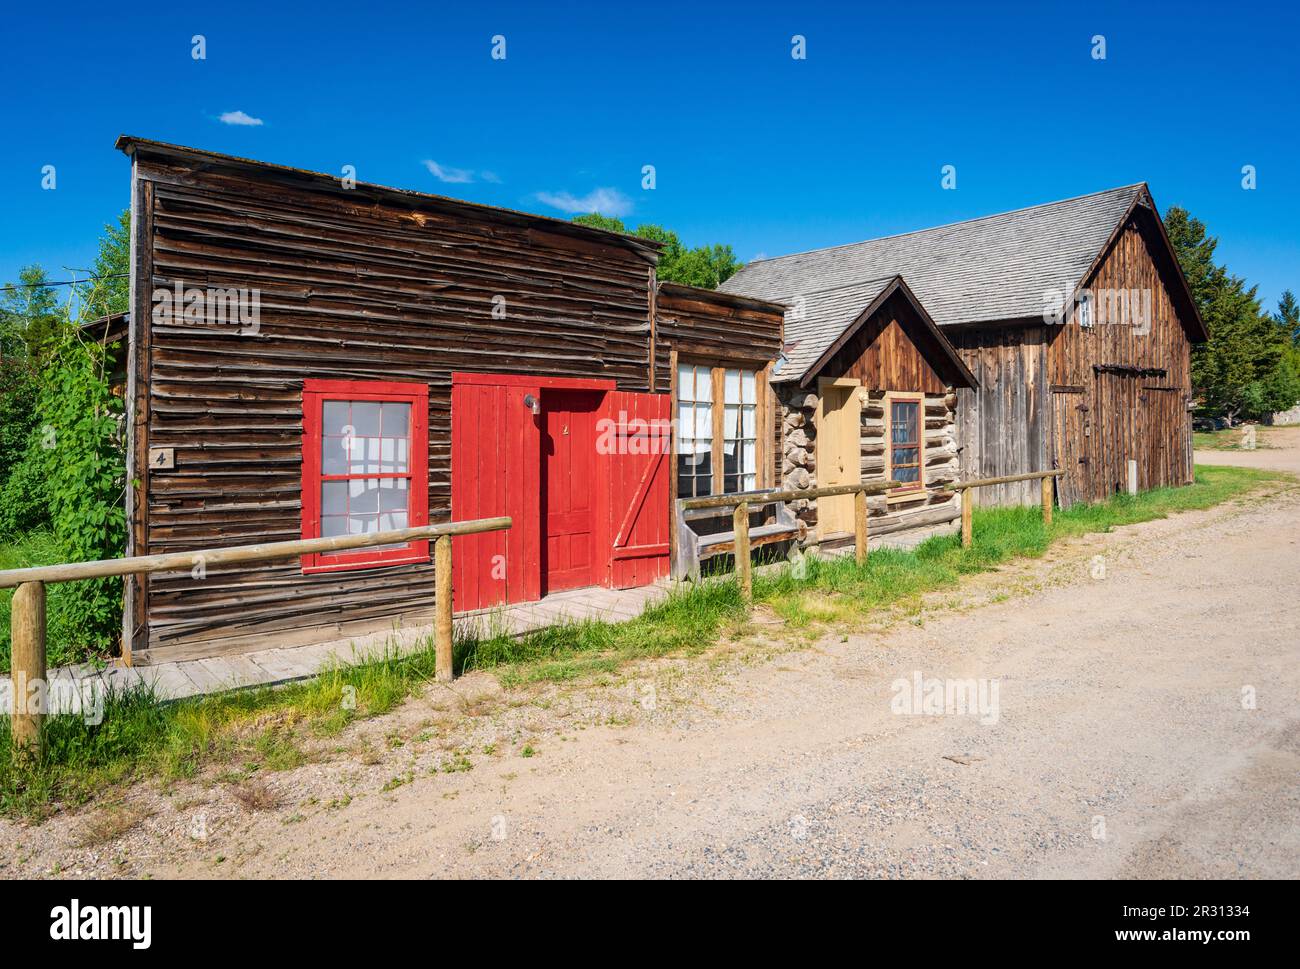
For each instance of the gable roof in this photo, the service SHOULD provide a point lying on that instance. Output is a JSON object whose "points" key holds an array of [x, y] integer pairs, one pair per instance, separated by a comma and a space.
{"points": [[818, 324], [993, 268]]}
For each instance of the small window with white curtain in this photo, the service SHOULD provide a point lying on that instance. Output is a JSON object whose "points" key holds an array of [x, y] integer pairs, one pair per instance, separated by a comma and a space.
{"points": [[694, 431], [739, 427]]}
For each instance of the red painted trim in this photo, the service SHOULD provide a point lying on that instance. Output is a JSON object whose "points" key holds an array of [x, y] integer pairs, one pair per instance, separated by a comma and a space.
{"points": [[314, 394], [525, 380]]}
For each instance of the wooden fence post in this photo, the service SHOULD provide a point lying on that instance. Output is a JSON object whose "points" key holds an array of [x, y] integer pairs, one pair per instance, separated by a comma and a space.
{"points": [[442, 607], [860, 525], [27, 663], [966, 529], [1047, 501], [740, 526]]}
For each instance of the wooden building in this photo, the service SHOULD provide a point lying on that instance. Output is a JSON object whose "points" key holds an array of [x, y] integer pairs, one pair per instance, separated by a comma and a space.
{"points": [[868, 391], [1075, 320], [309, 356]]}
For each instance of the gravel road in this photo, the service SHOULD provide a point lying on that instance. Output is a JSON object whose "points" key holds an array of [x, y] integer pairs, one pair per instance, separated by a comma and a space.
{"points": [[1141, 721]]}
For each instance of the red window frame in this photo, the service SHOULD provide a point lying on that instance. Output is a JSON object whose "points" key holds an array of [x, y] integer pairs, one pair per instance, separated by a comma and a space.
{"points": [[314, 395]]}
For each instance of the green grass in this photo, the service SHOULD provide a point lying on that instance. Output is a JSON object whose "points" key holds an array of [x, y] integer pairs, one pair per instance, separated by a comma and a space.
{"points": [[267, 729], [38, 548]]}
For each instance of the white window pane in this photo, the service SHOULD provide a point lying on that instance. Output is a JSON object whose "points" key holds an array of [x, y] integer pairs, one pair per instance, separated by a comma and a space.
{"points": [[704, 422], [392, 495], [685, 382], [748, 464], [703, 383], [334, 498], [334, 417], [732, 387], [748, 387], [685, 420], [365, 418], [402, 464], [333, 525], [748, 426], [364, 497], [334, 455], [731, 421], [729, 448], [396, 419]]}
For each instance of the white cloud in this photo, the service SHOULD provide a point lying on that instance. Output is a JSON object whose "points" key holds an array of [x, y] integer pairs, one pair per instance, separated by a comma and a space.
{"points": [[239, 117], [606, 201], [492, 177], [442, 173]]}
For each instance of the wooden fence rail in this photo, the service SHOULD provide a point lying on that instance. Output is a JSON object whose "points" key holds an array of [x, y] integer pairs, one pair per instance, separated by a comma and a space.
{"points": [[1046, 476], [27, 625], [740, 517]]}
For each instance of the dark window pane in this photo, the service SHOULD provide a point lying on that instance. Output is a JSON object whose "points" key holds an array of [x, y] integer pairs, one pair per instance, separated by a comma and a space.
{"points": [[730, 484]]}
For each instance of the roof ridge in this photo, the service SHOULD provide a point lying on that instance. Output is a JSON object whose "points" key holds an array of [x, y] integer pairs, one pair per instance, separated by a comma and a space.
{"points": [[858, 284], [946, 225]]}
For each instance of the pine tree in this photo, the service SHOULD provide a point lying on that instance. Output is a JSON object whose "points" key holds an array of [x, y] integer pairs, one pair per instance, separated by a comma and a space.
{"points": [[1235, 373], [1288, 316]]}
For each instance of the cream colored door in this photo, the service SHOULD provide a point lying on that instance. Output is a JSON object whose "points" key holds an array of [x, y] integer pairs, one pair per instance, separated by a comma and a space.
{"points": [[839, 452]]}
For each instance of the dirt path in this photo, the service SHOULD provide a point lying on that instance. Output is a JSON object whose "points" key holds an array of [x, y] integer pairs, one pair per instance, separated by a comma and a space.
{"points": [[1122, 747]]}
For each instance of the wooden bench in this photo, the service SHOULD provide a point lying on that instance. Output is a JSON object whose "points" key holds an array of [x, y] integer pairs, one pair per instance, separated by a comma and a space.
{"points": [[693, 546]]}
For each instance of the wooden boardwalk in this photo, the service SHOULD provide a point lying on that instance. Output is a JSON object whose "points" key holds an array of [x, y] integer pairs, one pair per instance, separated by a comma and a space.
{"points": [[177, 680]]}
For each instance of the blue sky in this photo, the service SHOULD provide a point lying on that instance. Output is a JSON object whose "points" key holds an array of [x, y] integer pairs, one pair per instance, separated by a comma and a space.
{"points": [[750, 145]]}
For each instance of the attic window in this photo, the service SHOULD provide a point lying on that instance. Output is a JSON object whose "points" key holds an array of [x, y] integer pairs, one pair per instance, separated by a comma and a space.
{"points": [[1085, 310]]}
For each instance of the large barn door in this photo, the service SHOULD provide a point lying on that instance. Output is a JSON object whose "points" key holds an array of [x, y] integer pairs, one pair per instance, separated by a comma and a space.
{"points": [[636, 442]]}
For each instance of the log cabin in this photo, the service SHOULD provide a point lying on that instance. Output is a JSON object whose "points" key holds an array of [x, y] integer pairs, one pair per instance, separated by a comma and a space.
{"points": [[1075, 321], [867, 386], [308, 356]]}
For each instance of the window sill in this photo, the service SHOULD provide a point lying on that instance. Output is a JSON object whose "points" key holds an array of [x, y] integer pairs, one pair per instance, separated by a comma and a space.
{"points": [[418, 554]]}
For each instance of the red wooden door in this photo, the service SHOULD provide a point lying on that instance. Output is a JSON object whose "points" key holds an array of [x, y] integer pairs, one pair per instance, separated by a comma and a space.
{"points": [[495, 468], [636, 444], [570, 489]]}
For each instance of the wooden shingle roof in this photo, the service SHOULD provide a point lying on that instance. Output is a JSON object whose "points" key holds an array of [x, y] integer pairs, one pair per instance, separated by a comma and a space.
{"points": [[993, 268]]}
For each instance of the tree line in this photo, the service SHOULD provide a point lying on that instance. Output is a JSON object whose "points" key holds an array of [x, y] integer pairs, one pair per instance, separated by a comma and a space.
{"points": [[1250, 367]]}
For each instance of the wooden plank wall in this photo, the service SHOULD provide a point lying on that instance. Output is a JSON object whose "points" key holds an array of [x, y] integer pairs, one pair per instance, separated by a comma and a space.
{"points": [[357, 285], [1126, 416], [893, 351], [1004, 424]]}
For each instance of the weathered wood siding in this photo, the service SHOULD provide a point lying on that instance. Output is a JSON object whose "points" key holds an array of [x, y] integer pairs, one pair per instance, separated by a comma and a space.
{"points": [[1002, 423], [1049, 396], [360, 284], [892, 351], [1122, 385]]}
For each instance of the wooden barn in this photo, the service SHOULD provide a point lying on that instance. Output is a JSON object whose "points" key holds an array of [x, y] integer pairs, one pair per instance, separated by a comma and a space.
{"points": [[312, 357], [1074, 319]]}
